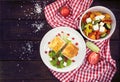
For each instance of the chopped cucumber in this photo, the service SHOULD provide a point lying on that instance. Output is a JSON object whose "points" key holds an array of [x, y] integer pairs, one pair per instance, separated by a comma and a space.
{"points": [[107, 26], [103, 35], [92, 46], [96, 21]]}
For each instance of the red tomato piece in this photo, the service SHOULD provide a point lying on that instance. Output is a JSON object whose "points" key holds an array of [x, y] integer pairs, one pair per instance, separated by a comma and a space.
{"points": [[87, 15], [64, 11], [93, 58], [108, 31], [108, 20], [97, 35]]}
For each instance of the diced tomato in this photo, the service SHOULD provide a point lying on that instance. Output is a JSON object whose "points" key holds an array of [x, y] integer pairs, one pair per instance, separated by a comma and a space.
{"points": [[84, 18], [88, 14], [94, 32], [108, 31], [107, 21], [97, 35], [93, 58]]}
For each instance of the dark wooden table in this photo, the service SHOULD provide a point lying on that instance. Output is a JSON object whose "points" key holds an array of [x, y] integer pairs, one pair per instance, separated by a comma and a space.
{"points": [[20, 39]]}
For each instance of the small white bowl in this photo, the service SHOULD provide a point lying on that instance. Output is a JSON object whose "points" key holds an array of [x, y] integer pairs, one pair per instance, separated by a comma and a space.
{"points": [[103, 10]]}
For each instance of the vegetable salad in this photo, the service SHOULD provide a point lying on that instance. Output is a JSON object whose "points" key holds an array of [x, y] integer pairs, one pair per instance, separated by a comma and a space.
{"points": [[96, 25], [58, 60]]}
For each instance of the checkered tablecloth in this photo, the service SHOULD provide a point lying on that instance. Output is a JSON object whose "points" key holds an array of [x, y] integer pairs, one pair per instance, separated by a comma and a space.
{"points": [[106, 67]]}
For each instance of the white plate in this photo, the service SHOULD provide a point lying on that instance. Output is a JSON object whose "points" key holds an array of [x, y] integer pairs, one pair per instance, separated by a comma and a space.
{"points": [[73, 34]]}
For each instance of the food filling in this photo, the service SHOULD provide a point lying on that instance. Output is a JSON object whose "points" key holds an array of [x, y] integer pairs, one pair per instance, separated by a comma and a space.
{"points": [[96, 25]]}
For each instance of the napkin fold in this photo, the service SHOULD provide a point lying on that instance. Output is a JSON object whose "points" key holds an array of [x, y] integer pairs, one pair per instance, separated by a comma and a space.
{"points": [[101, 72]]}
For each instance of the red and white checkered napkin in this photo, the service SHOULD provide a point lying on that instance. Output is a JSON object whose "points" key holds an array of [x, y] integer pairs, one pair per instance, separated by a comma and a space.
{"points": [[101, 72], [77, 8]]}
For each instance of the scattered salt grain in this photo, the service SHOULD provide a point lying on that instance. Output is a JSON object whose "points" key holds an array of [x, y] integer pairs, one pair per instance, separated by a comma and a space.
{"points": [[38, 26], [19, 18], [28, 9], [31, 13], [44, 4], [18, 25], [21, 6], [22, 58], [25, 51], [24, 11], [29, 46], [18, 65], [38, 8], [19, 70]]}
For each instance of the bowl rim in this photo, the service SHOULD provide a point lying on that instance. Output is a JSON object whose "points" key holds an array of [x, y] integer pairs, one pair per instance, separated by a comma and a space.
{"points": [[113, 26]]}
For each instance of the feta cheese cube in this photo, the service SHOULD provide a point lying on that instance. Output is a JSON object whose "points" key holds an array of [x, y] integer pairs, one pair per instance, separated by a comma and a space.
{"points": [[101, 23], [50, 59], [93, 22], [96, 27], [102, 29], [88, 20], [65, 64], [97, 18], [101, 16], [59, 58]]}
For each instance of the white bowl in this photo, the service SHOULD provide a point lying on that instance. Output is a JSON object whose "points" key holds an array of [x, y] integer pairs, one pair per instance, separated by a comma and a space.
{"points": [[103, 10]]}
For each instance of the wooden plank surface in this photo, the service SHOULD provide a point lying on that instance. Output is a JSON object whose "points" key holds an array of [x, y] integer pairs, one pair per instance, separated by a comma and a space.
{"points": [[24, 71], [20, 39]]}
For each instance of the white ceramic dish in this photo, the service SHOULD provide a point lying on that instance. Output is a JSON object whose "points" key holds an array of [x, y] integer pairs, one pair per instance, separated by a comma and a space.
{"points": [[77, 38], [103, 10]]}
